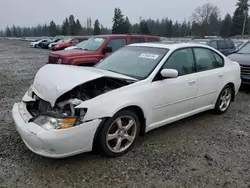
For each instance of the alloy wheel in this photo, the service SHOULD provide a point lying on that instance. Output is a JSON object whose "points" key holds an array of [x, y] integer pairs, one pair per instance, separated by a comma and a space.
{"points": [[225, 99], [121, 134]]}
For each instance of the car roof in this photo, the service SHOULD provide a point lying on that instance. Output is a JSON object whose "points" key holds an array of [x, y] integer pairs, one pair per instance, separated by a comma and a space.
{"points": [[169, 46], [209, 40], [125, 35]]}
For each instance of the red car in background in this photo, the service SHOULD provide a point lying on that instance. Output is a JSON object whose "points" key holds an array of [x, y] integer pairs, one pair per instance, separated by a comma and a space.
{"points": [[69, 42], [97, 48]]}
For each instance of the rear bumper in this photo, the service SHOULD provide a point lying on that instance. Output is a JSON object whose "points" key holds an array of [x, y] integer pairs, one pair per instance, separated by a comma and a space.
{"points": [[54, 143]]}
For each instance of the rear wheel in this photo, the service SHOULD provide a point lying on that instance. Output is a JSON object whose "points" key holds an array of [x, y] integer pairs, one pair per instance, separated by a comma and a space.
{"points": [[119, 133], [224, 100]]}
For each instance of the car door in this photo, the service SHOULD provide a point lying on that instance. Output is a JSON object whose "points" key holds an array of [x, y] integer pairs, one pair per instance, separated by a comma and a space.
{"points": [[210, 76], [175, 96], [116, 43]]}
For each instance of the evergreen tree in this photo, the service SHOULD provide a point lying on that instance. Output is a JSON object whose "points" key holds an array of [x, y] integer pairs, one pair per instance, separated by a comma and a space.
{"points": [[52, 29], [72, 25], [126, 25], [226, 26], [66, 27], [78, 27], [118, 22], [97, 30], [144, 28], [8, 32], [170, 29], [239, 16]]}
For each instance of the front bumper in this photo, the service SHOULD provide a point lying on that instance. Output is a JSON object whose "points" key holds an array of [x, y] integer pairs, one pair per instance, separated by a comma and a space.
{"points": [[53, 143], [245, 79]]}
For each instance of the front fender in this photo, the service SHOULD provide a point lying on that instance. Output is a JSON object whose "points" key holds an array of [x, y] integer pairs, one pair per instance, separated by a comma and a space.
{"points": [[101, 107]]}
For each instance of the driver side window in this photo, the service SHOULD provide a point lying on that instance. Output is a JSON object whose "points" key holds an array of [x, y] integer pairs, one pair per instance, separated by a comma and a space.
{"points": [[182, 61], [115, 44]]}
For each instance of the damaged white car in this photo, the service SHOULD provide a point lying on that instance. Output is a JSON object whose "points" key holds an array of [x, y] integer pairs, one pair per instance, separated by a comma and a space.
{"points": [[70, 110]]}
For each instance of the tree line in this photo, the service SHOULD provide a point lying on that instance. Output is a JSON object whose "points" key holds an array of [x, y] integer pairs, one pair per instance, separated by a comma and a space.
{"points": [[205, 21]]}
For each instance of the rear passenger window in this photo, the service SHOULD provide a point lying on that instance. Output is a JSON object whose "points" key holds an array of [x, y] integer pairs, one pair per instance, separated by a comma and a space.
{"points": [[153, 40], [219, 60], [222, 45], [207, 59], [115, 44], [137, 40], [213, 44], [230, 45]]}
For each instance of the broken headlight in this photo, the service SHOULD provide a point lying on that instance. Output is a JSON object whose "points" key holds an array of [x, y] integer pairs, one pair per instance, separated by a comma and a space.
{"points": [[49, 123]]}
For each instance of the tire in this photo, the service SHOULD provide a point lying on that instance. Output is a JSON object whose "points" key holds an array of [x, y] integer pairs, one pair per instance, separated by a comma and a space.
{"points": [[225, 97], [122, 139], [35, 46]]}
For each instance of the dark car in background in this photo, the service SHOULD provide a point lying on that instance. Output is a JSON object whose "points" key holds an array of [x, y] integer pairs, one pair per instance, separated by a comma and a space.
{"points": [[242, 56], [225, 46], [45, 45]]}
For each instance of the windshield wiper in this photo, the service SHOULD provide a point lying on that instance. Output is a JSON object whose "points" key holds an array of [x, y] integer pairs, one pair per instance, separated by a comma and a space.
{"points": [[84, 49], [112, 71]]}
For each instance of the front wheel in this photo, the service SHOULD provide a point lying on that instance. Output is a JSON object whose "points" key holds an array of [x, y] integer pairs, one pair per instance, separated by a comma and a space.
{"points": [[119, 133], [224, 100]]}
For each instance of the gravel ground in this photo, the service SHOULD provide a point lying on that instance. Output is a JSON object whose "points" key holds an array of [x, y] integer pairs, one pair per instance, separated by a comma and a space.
{"points": [[206, 150]]}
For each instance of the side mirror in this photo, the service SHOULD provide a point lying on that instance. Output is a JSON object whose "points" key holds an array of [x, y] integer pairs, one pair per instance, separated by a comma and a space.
{"points": [[107, 50], [169, 73]]}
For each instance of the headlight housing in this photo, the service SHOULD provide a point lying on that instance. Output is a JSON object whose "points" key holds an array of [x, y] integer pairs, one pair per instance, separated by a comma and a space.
{"points": [[49, 122]]}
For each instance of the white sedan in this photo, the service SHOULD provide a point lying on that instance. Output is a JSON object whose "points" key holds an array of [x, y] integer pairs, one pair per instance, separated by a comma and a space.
{"points": [[35, 44], [69, 110]]}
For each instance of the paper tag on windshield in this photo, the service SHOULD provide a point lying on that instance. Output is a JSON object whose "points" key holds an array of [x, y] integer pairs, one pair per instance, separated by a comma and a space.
{"points": [[149, 56]]}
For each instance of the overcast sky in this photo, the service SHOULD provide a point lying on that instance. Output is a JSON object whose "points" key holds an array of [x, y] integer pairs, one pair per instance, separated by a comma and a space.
{"points": [[33, 12]]}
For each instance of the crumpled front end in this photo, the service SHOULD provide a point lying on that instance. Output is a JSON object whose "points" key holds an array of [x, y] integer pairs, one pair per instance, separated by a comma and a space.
{"points": [[53, 143], [49, 119]]}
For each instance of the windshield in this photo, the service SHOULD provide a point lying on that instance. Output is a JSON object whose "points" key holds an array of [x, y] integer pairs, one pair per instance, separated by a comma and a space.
{"points": [[79, 45], [92, 44], [245, 49], [238, 43], [66, 40], [134, 61]]}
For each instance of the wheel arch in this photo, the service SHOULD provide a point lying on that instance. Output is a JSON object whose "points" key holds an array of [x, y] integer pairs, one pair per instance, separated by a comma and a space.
{"points": [[136, 109], [233, 89]]}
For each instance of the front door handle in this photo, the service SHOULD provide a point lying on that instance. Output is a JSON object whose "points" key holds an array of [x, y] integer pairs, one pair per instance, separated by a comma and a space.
{"points": [[191, 82], [220, 75]]}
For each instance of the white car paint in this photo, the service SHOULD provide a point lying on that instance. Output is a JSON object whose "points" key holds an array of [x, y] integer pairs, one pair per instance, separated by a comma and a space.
{"points": [[60, 85], [33, 44], [71, 48], [162, 102]]}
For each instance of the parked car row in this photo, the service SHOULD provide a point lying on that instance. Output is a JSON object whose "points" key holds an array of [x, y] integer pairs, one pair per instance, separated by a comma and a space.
{"points": [[57, 43], [135, 84]]}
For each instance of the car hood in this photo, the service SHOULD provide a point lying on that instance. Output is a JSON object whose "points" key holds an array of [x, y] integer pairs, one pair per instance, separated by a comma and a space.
{"points": [[242, 59], [73, 52], [52, 81]]}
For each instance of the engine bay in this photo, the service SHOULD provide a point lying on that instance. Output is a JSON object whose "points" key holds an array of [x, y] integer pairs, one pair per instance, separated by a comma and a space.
{"points": [[65, 104]]}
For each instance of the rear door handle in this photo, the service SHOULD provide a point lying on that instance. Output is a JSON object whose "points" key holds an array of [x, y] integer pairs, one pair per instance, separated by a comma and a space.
{"points": [[191, 82]]}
